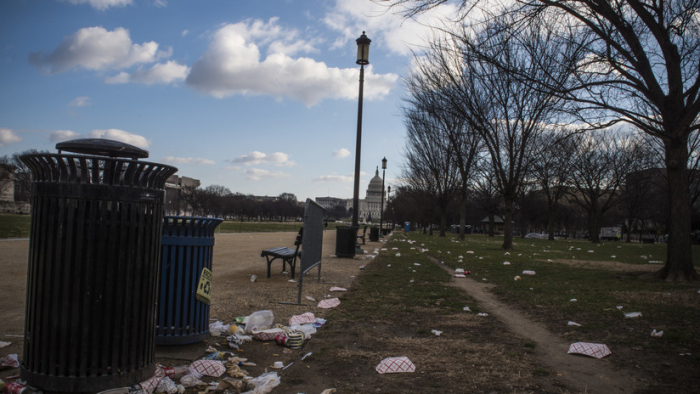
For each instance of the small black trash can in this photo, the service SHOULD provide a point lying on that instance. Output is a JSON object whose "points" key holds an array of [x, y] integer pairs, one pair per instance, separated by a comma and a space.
{"points": [[345, 241], [374, 234], [187, 255], [92, 279]]}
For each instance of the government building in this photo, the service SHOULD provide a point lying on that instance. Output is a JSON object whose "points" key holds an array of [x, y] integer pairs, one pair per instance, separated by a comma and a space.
{"points": [[370, 207]]}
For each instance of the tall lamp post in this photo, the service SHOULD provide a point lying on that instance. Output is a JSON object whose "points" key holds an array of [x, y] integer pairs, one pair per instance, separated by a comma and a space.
{"points": [[381, 207], [362, 59]]}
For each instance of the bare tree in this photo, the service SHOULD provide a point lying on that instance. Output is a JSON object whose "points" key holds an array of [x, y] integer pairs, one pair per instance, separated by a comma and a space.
{"points": [[600, 164], [507, 114], [552, 170], [430, 161]]}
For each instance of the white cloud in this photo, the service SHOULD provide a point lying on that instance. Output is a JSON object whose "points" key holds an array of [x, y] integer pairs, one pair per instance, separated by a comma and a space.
{"points": [[256, 174], [121, 135], [163, 73], [233, 64], [160, 3], [187, 160], [8, 136], [62, 135], [101, 4], [95, 48], [278, 159], [185, 32], [334, 178], [386, 29], [82, 101], [342, 152]]}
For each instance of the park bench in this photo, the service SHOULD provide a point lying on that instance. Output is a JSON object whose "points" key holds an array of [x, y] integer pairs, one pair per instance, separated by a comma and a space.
{"points": [[362, 237], [287, 255]]}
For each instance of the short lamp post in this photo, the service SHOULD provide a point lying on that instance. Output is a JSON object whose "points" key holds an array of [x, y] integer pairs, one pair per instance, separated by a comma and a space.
{"points": [[362, 59], [388, 197], [381, 206]]}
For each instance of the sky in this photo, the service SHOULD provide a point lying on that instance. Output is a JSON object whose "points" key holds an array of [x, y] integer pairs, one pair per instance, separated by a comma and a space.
{"points": [[258, 96]]}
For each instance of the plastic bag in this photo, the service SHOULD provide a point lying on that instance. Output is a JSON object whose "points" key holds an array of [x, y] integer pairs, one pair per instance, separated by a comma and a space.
{"points": [[190, 381], [259, 321], [264, 383]]}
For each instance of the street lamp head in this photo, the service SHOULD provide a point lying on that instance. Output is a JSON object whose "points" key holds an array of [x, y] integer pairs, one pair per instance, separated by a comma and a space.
{"points": [[363, 49], [384, 163], [388, 189]]}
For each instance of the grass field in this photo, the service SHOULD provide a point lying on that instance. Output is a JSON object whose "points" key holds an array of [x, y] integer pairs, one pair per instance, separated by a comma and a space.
{"points": [[17, 226]]}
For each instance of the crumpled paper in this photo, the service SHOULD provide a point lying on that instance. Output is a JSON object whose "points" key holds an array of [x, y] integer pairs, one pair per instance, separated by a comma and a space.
{"points": [[395, 365], [596, 350], [208, 367], [304, 318], [329, 303]]}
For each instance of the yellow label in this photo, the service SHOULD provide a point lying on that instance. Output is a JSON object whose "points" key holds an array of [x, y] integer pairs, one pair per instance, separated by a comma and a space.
{"points": [[204, 287]]}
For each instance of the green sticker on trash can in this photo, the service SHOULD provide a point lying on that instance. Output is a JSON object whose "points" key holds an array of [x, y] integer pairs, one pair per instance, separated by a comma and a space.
{"points": [[204, 287]]}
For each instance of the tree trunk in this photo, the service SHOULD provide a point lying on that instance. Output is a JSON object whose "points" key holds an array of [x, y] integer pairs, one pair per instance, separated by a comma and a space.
{"points": [[491, 224], [443, 223], [462, 216], [508, 224], [550, 221], [594, 223], [679, 259]]}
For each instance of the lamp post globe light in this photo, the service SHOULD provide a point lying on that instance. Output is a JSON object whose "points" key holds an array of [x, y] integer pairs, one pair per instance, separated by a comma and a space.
{"points": [[381, 206], [362, 59]]}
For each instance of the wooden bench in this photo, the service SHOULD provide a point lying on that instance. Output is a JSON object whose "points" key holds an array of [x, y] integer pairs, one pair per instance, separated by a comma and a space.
{"points": [[287, 255], [362, 237]]}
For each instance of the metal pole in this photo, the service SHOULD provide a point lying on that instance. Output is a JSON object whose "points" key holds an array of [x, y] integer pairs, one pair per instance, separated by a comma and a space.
{"points": [[358, 145], [381, 213]]}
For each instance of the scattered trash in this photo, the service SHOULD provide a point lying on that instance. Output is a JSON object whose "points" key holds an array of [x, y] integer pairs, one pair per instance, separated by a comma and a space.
{"points": [[596, 350], [517, 278], [470, 252], [655, 262], [482, 314], [306, 355], [398, 254], [436, 332], [292, 281], [684, 354], [466, 309], [459, 271], [310, 298], [632, 315], [395, 365], [506, 254], [590, 251], [619, 307], [4, 344], [613, 256], [657, 334], [571, 323], [460, 276], [573, 300], [506, 263], [362, 267], [10, 360], [208, 368], [259, 320], [528, 272], [278, 364], [304, 318], [331, 303], [264, 383], [253, 278]]}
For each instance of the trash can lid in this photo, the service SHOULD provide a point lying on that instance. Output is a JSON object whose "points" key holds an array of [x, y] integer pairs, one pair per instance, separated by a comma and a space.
{"points": [[102, 147]]}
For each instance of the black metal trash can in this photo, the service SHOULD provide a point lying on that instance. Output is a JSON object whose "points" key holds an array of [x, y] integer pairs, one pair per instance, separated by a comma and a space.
{"points": [[92, 278], [345, 241], [374, 234], [187, 251]]}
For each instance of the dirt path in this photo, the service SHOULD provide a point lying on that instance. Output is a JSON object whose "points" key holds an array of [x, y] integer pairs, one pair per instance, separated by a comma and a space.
{"points": [[589, 375]]}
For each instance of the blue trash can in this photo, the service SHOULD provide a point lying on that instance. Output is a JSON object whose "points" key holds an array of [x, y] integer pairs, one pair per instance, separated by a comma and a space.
{"points": [[407, 226], [187, 254]]}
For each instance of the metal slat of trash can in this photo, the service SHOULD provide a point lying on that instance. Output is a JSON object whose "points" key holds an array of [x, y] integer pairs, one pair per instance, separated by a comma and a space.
{"points": [[92, 272], [187, 248]]}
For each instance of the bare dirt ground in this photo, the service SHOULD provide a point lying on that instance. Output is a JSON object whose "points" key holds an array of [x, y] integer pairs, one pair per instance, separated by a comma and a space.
{"points": [[237, 258]]}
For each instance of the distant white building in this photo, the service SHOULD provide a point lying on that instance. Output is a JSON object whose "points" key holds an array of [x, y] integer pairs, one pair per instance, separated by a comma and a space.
{"points": [[369, 208]]}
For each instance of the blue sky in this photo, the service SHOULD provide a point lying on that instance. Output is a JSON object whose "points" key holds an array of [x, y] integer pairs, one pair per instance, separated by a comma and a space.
{"points": [[257, 96]]}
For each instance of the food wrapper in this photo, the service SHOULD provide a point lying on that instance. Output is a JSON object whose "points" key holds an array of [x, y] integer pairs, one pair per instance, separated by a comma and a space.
{"points": [[329, 303], [209, 367], [267, 335], [304, 318], [596, 350], [10, 360], [336, 288], [395, 365]]}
